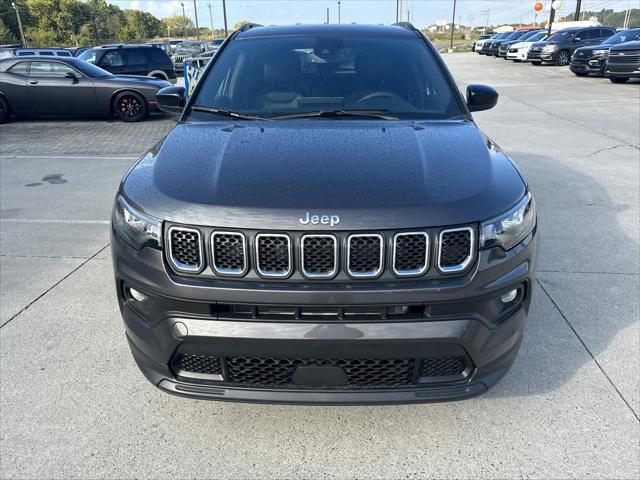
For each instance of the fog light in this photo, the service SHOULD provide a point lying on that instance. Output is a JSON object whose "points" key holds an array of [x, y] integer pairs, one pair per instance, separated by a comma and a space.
{"points": [[136, 295], [509, 296]]}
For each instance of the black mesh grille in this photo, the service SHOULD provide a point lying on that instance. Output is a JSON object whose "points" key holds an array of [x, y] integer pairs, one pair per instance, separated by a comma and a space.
{"points": [[442, 366], [410, 253], [268, 371], [319, 254], [455, 248], [185, 249], [229, 253], [364, 255], [273, 255], [198, 364]]}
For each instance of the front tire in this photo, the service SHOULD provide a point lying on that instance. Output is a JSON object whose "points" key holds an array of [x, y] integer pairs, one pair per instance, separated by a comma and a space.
{"points": [[619, 79], [4, 110], [580, 74], [563, 58], [130, 107]]}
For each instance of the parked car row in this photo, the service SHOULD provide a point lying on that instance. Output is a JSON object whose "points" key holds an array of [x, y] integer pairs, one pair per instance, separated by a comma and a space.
{"points": [[586, 50]]}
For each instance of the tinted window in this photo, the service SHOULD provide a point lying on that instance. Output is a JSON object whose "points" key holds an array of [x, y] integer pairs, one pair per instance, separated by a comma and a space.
{"points": [[624, 36], [90, 56], [21, 68], [113, 58], [50, 54], [49, 69], [136, 56], [561, 36], [64, 53], [538, 36], [155, 55], [294, 74], [24, 54]]}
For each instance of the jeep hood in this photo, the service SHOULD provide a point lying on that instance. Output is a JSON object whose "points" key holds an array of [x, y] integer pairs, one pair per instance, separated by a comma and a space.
{"points": [[374, 175]]}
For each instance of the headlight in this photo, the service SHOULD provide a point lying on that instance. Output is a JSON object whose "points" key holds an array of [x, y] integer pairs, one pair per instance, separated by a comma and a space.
{"points": [[549, 48], [510, 228], [601, 52], [138, 229]]}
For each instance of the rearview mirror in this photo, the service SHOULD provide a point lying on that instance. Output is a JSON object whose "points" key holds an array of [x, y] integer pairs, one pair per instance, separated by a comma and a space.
{"points": [[481, 97], [171, 99], [71, 76]]}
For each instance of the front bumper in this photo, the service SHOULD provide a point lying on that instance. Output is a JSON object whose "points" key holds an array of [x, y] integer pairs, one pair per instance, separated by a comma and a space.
{"points": [[460, 317], [592, 65], [628, 70]]}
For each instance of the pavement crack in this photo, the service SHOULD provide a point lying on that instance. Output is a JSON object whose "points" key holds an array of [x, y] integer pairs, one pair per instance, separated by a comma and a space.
{"points": [[575, 332], [608, 148], [575, 122], [55, 285]]}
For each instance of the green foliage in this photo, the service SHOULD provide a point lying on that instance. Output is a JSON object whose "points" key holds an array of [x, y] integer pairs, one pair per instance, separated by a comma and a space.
{"points": [[177, 26], [610, 18], [6, 35]]}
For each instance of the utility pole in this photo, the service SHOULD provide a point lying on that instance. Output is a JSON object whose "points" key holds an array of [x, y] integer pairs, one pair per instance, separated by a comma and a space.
{"points": [[485, 13], [552, 17], [577, 14], [453, 26], [24, 41], [327, 15], [397, 11], [224, 12], [184, 22], [211, 20], [339, 2], [195, 11]]}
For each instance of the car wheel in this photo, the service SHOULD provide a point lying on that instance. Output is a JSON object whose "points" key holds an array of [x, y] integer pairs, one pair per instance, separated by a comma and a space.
{"points": [[130, 107], [581, 74], [4, 110], [619, 79], [563, 58]]}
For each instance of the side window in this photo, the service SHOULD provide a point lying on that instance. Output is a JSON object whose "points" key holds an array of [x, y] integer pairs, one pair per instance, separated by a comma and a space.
{"points": [[156, 55], [112, 58], [135, 56], [21, 68], [25, 54], [49, 69], [64, 53], [50, 54], [606, 33]]}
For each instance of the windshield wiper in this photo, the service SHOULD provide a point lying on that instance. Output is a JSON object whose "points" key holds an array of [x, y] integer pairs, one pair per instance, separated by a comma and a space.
{"points": [[226, 113], [382, 114]]}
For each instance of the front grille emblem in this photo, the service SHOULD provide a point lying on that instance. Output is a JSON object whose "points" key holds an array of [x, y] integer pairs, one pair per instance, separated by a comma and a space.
{"points": [[308, 218]]}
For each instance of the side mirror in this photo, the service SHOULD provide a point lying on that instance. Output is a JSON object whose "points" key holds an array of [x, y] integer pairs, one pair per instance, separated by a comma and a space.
{"points": [[577, 39], [71, 76], [481, 97], [171, 99]]}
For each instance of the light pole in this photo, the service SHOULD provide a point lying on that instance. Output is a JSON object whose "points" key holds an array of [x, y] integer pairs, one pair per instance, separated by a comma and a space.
{"points": [[211, 20], [24, 41], [224, 12], [453, 26], [195, 12], [552, 17], [184, 22], [339, 11]]}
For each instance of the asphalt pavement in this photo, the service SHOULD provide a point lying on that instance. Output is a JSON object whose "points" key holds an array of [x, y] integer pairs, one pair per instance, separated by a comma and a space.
{"points": [[73, 404]]}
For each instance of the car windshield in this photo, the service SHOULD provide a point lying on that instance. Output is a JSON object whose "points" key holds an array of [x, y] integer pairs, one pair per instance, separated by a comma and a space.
{"points": [[528, 35], [622, 37], [90, 70], [537, 36], [294, 74], [90, 55], [561, 36], [187, 48]]}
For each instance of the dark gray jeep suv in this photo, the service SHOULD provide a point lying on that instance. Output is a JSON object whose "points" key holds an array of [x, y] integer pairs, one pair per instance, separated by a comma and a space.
{"points": [[325, 224]]}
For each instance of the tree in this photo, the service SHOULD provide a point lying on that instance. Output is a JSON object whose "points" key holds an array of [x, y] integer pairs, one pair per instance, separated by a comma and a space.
{"points": [[6, 35], [175, 26], [237, 25], [140, 26]]}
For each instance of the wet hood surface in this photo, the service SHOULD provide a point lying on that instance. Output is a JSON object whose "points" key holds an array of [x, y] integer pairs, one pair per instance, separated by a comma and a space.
{"points": [[373, 174]]}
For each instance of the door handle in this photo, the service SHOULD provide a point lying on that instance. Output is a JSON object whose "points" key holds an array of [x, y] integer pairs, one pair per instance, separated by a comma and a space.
{"points": [[33, 82]]}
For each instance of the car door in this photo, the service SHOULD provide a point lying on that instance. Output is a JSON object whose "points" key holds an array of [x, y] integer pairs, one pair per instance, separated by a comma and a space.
{"points": [[113, 61], [51, 92], [136, 61]]}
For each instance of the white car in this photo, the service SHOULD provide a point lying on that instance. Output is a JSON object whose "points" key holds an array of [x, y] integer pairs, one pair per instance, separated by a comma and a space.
{"points": [[519, 51], [477, 45]]}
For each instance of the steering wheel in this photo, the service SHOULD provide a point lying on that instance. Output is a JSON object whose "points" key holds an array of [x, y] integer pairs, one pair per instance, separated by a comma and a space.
{"points": [[379, 94]]}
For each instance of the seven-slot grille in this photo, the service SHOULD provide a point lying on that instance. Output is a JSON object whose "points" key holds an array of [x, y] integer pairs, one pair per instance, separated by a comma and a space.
{"points": [[624, 56], [319, 256], [365, 253], [229, 253], [273, 255], [410, 253], [185, 249]]}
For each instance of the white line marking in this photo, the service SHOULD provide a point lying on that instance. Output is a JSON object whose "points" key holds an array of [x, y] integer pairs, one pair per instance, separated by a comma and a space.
{"points": [[65, 222]]}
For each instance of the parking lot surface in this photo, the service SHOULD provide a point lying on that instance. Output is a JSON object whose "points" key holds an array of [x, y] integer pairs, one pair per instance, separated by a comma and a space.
{"points": [[73, 403]]}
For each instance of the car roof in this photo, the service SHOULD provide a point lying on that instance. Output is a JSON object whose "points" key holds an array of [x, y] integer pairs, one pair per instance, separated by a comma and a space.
{"points": [[315, 29]]}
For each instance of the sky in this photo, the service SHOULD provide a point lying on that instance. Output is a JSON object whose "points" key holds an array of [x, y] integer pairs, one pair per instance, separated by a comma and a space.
{"points": [[423, 12]]}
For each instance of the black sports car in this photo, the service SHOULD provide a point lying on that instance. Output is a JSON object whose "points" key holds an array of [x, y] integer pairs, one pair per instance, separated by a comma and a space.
{"points": [[66, 86]]}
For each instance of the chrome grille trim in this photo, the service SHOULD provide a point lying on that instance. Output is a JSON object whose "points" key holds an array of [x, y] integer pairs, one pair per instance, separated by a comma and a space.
{"points": [[226, 271], [472, 245], [415, 272], [289, 254], [335, 257], [175, 263], [372, 274]]}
